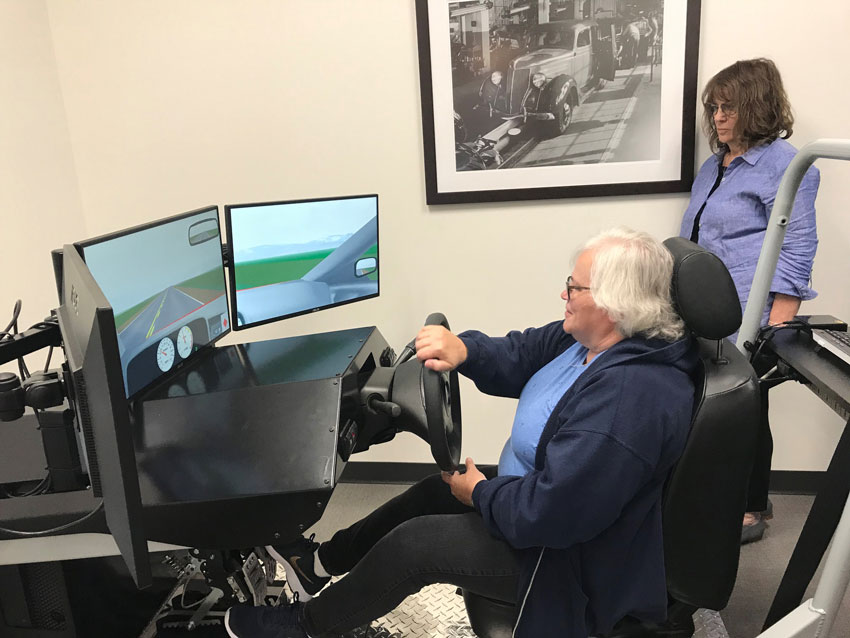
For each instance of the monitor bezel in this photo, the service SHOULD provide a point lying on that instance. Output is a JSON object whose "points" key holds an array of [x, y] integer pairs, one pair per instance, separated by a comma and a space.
{"points": [[231, 271], [80, 246], [90, 345]]}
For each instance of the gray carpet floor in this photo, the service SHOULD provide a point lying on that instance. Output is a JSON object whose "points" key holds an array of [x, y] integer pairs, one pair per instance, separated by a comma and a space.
{"points": [[761, 567]]}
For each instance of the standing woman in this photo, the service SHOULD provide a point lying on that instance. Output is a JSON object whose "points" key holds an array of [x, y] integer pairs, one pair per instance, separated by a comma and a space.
{"points": [[747, 119]]}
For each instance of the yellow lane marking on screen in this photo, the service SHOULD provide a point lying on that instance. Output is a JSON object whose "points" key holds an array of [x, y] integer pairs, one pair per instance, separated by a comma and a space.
{"points": [[156, 316]]}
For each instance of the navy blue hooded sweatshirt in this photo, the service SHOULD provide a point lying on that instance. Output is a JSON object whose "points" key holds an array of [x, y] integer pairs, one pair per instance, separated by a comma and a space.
{"points": [[588, 517]]}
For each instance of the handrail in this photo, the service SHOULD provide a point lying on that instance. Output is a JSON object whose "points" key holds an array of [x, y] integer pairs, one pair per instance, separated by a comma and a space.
{"points": [[776, 227], [816, 616]]}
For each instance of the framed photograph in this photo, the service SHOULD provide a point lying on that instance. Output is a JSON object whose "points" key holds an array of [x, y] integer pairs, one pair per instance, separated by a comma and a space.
{"points": [[540, 99]]}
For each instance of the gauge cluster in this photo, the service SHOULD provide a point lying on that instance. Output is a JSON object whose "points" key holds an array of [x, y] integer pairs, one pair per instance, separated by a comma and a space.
{"points": [[165, 352], [170, 351]]}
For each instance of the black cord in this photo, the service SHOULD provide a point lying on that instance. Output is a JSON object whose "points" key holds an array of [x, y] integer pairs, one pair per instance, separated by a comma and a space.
{"points": [[13, 327], [22, 365], [16, 312], [54, 530], [41, 488], [22, 368], [767, 333]]}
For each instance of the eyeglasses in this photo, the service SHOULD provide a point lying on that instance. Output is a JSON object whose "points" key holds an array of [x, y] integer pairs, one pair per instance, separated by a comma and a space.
{"points": [[571, 287], [729, 110]]}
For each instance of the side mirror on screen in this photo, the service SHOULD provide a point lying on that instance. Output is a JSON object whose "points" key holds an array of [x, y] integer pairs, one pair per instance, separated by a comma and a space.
{"points": [[365, 266]]}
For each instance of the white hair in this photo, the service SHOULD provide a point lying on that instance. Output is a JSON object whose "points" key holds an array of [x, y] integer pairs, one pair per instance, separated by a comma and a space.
{"points": [[630, 279]]}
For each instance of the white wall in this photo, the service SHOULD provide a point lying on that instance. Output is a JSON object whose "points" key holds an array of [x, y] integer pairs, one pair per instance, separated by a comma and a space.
{"points": [[174, 105], [39, 194]]}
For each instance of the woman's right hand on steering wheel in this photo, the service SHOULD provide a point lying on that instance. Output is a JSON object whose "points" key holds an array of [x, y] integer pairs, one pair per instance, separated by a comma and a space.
{"points": [[439, 349]]}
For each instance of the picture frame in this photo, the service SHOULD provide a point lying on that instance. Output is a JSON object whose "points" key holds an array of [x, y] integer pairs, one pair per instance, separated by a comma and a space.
{"points": [[544, 99]]}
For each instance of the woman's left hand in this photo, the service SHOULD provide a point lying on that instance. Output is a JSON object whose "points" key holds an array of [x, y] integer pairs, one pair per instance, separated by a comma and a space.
{"points": [[463, 484]]}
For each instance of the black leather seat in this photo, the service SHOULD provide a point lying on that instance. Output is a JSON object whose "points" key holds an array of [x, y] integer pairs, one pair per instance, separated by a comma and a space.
{"points": [[705, 497]]}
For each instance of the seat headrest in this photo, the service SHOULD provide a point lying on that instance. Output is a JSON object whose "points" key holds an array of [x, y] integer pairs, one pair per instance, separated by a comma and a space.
{"points": [[703, 292]]}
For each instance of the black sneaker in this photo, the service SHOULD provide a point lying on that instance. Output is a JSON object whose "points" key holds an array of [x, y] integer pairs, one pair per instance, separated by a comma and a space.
{"points": [[752, 532], [297, 560], [245, 621]]}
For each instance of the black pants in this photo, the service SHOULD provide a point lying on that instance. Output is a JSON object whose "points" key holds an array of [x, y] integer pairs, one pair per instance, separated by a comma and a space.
{"points": [[421, 537], [760, 475]]}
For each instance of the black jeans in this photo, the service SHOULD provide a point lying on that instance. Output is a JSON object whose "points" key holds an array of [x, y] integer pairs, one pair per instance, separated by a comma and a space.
{"points": [[421, 537], [760, 475]]}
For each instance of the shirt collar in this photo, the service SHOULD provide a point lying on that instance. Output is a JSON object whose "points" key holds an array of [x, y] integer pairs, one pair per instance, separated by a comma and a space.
{"points": [[750, 157]]}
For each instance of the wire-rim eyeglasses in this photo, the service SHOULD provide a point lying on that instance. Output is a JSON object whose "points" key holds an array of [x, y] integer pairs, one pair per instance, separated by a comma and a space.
{"points": [[729, 110]]}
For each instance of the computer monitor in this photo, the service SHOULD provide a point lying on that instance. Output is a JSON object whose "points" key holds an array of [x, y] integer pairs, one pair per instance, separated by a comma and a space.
{"points": [[165, 283], [89, 341], [291, 258]]}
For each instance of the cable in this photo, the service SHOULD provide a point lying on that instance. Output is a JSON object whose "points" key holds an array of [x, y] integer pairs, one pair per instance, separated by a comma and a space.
{"points": [[12, 329], [183, 605], [13, 326], [766, 334], [54, 530], [16, 312], [40, 326], [41, 488]]}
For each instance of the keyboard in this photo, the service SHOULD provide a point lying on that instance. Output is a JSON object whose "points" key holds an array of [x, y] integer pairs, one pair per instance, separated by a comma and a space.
{"points": [[838, 343]]}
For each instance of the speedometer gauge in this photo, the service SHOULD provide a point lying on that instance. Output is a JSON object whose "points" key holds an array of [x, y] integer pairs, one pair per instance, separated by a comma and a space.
{"points": [[165, 354], [184, 341]]}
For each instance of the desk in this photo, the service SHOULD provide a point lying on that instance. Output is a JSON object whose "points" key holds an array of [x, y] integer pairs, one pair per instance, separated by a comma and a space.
{"points": [[829, 378]]}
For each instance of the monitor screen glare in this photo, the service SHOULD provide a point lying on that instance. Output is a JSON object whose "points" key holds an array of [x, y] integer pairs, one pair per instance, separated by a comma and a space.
{"points": [[290, 258], [165, 283]]}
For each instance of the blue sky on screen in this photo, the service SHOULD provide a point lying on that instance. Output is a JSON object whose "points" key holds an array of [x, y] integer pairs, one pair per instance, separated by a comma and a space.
{"points": [[134, 267], [260, 232]]}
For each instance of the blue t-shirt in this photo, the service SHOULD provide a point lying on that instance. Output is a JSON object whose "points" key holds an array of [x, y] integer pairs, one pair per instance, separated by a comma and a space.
{"points": [[536, 402]]}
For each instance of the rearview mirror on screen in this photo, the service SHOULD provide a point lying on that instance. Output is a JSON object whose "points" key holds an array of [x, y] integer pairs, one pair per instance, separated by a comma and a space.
{"points": [[202, 231]]}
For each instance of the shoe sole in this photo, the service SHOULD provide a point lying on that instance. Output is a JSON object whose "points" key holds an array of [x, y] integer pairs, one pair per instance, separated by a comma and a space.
{"points": [[227, 625], [291, 576]]}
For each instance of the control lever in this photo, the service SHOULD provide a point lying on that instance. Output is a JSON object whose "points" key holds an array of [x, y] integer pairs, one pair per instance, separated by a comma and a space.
{"points": [[406, 353], [434, 319], [386, 407]]}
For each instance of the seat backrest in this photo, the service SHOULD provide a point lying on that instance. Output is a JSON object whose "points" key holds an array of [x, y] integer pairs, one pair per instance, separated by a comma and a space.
{"points": [[706, 494]]}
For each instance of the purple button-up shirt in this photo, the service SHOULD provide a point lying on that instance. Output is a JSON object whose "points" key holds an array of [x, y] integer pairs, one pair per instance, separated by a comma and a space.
{"points": [[735, 219]]}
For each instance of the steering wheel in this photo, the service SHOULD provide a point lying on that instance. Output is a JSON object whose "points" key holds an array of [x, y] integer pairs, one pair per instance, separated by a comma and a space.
{"points": [[441, 399]]}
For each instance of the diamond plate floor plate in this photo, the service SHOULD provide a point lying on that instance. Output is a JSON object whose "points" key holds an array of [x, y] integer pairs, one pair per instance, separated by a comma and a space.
{"points": [[435, 611], [438, 612], [709, 624]]}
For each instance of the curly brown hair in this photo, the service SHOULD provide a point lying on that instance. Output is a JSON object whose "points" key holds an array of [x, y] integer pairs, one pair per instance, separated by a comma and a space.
{"points": [[755, 88]]}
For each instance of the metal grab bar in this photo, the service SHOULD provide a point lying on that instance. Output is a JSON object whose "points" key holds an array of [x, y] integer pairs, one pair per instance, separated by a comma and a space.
{"points": [[776, 227], [813, 618]]}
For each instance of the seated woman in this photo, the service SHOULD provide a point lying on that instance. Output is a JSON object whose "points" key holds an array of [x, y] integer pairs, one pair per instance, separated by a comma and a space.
{"points": [[570, 527]]}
